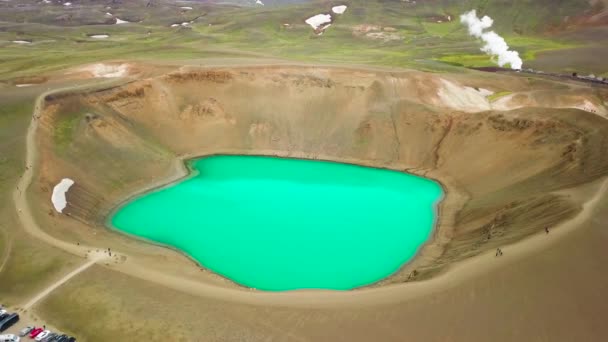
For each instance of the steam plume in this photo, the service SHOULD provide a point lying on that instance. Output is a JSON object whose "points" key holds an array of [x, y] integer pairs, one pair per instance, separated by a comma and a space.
{"points": [[495, 45]]}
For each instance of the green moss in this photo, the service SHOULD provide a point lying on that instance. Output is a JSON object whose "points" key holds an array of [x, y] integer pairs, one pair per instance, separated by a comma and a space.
{"points": [[442, 29], [63, 132], [498, 95]]}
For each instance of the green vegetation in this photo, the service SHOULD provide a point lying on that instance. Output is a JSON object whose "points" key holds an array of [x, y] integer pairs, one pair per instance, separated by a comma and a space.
{"points": [[30, 264], [274, 32], [498, 95], [15, 112], [64, 130]]}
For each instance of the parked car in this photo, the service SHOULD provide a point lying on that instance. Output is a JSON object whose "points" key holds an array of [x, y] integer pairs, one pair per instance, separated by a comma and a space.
{"points": [[2, 312], [9, 338], [49, 337], [25, 330], [7, 322], [42, 335], [57, 338], [72, 339], [63, 338], [35, 332]]}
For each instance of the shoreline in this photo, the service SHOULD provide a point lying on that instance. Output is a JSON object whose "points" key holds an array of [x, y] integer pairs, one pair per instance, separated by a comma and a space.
{"points": [[182, 171], [376, 296]]}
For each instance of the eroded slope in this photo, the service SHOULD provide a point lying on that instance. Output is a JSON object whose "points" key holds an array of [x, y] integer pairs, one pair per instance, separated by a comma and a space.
{"points": [[507, 169]]}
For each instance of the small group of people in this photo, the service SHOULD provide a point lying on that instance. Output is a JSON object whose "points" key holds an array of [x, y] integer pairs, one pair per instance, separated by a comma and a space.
{"points": [[499, 251]]}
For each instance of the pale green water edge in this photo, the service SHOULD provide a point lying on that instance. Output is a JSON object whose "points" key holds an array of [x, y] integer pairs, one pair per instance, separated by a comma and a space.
{"points": [[282, 224]]}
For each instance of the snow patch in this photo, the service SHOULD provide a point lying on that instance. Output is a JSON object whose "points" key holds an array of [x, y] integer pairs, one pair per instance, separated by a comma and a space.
{"points": [[339, 9], [21, 42], [119, 21], [99, 36], [259, 2], [24, 85], [59, 191], [109, 14], [318, 20], [67, 4], [186, 8]]}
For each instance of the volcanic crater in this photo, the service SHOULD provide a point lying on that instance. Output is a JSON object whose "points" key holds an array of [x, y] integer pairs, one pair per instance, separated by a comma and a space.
{"points": [[508, 170]]}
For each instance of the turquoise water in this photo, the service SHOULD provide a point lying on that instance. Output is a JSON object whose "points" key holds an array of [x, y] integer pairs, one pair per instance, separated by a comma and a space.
{"points": [[281, 224]]}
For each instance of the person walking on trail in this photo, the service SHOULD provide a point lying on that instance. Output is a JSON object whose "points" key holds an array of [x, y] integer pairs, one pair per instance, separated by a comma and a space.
{"points": [[498, 252], [547, 230]]}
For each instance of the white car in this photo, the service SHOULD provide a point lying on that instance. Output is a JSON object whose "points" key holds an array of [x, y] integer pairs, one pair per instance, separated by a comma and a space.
{"points": [[43, 335], [2, 312], [25, 330], [9, 338]]}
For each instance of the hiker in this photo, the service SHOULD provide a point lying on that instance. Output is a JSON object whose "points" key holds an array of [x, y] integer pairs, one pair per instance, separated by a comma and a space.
{"points": [[497, 251], [547, 230]]}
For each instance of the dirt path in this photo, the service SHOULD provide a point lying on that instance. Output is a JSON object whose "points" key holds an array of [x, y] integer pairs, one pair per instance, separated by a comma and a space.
{"points": [[20, 194], [94, 258], [365, 297]]}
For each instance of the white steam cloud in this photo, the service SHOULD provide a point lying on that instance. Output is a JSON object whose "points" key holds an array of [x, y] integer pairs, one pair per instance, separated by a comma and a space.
{"points": [[495, 45]]}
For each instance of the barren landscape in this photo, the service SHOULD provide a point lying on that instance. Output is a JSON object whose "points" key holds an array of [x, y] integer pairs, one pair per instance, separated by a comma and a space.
{"points": [[521, 158]]}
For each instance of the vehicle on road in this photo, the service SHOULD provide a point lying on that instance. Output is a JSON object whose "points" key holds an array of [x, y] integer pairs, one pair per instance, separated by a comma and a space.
{"points": [[42, 335], [9, 338], [35, 332], [7, 322], [25, 330], [63, 338]]}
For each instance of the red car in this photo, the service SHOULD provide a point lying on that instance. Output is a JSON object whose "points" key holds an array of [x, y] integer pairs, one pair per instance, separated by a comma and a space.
{"points": [[35, 332]]}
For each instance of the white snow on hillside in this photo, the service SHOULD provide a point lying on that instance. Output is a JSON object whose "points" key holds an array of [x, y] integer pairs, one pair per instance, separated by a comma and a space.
{"points": [[59, 191], [339, 9], [318, 20]]}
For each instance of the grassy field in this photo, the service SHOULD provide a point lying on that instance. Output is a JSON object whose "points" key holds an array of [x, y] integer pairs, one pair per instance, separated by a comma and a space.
{"points": [[30, 265], [275, 32]]}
